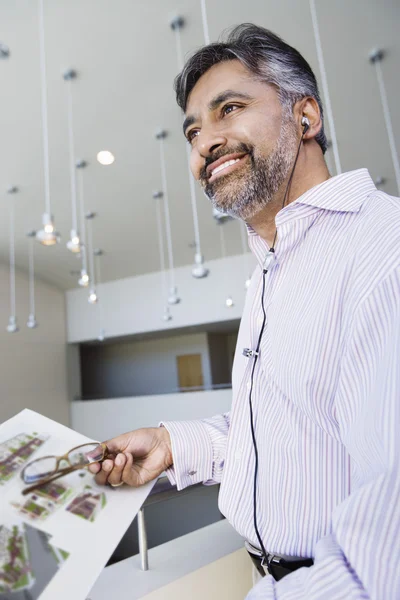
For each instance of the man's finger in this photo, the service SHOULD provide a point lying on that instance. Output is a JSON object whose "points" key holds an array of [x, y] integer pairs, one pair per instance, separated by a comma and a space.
{"points": [[128, 475], [94, 468], [106, 468], [115, 476]]}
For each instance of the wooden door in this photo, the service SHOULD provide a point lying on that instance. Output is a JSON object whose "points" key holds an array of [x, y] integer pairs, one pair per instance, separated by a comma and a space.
{"points": [[190, 372]]}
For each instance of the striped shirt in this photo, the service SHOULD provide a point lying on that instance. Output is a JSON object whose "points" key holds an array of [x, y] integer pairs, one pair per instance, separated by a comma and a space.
{"points": [[326, 399]]}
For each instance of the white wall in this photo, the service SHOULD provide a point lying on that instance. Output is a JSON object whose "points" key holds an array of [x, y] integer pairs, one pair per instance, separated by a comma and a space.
{"points": [[135, 304], [139, 368], [103, 419], [33, 367]]}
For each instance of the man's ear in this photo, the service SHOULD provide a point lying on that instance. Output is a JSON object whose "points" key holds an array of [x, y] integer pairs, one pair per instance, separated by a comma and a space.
{"points": [[308, 108]]}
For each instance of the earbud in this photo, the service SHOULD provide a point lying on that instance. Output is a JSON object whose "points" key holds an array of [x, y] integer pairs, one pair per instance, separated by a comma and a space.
{"points": [[306, 124]]}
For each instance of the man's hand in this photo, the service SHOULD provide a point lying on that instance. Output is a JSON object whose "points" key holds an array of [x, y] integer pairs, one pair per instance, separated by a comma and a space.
{"points": [[135, 458]]}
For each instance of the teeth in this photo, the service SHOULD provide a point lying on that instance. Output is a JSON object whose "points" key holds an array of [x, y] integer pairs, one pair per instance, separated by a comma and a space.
{"points": [[228, 163]]}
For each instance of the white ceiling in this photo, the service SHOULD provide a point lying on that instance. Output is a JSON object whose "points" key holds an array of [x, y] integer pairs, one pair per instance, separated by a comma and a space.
{"points": [[125, 54]]}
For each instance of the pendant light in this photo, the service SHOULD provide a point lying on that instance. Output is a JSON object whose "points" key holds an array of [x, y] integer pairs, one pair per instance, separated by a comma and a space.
{"points": [[31, 323], [73, 244], [376, 57], [199, 270], [92, 298], [98, 253], [12, 326], [173, 297], [325, 88], [47, 236], [83, 280], [229, 300], [157, 196]]}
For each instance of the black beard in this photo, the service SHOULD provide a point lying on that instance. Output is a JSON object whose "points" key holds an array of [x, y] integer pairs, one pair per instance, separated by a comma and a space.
{"points": [[243, 193]]}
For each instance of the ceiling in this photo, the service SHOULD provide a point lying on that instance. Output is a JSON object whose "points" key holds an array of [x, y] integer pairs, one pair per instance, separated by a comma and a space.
{"points": [[125, 55]]}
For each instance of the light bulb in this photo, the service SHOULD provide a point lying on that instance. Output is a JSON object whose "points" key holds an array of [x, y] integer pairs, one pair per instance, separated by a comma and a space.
{"points": [[84, 278], [92, 296], [199, 270], [12, 326], [166, 315], [32, 323], [229, 302], [74, 244], [105, 157], [48, 236], [173, 297]]}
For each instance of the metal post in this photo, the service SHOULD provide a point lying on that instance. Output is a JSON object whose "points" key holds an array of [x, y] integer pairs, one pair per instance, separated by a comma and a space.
{"points": [[144, 557]]}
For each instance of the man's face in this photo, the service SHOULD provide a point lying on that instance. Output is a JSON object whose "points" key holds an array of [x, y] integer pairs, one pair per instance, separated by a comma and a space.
{"points": [[243, 141]]}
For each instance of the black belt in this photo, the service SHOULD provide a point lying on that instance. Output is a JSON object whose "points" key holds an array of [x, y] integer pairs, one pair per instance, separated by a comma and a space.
{"points": [[277, 566]]}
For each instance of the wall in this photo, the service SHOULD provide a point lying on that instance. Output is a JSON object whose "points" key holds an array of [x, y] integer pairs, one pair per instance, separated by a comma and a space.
{"points": [[33, 366], [135, 305], [139, 368], [103, 419]]}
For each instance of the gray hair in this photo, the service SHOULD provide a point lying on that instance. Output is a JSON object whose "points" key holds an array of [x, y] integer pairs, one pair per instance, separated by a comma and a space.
{"points": [[265, 55]]}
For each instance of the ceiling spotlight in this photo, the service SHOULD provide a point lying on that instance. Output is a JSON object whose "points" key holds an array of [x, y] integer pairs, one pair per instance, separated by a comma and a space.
{"points": [[229, 302], [105, 157], [74, 243], [173, 297], [12, 326], [84, 278], [32, 323], [48, 236], [92, 296], [199, 270]]}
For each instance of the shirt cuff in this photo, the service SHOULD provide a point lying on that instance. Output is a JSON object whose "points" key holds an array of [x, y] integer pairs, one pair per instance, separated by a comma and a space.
{"points": [[191, 452]]}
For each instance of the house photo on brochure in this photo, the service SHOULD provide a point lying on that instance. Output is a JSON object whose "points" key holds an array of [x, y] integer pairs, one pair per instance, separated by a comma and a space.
{"points": [[48, 529]]}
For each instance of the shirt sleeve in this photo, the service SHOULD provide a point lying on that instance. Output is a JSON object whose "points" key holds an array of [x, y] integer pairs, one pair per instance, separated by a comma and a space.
{"points": [[198, 450], [359, 559]]}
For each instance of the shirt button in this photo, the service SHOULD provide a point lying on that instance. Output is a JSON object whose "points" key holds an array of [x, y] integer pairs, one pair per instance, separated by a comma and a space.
{"points": [[191, 473], [260, 321], [248, 385]]}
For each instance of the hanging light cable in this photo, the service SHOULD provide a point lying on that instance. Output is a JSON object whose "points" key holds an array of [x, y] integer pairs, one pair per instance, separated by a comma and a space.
{"points": [[31, 323], [92, 299], [98, 253], [84, 277], [205, 22], [376, 56], [173, 297], [199, 270], [325, 88], [164, 285], [229, 300], [47, 236], [73, 243], [245, 248], [12, 326]]}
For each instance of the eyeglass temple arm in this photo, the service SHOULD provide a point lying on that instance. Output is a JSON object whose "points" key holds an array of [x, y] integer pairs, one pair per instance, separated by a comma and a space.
{"points": [[39, 484]]}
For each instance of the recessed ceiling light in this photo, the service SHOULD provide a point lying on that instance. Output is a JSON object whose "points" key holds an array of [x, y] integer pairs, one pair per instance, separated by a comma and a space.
{"points": [[105, 157]]}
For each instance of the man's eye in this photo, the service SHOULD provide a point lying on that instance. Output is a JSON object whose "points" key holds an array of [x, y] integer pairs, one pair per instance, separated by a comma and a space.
{"points": [[192, 134], [229, 108]]}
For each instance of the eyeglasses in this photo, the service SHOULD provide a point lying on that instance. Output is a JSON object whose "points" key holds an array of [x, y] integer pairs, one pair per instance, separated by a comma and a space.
{"points": [[47, 468]]}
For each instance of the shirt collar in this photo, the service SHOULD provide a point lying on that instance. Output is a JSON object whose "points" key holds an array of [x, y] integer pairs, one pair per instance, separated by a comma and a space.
{"points": [[343, 193]]}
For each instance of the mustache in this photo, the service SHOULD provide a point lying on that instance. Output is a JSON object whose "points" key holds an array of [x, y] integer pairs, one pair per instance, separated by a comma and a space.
{"points": [[239, 148]]}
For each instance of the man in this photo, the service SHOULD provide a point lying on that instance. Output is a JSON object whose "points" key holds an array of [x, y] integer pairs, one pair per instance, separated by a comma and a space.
{"points": [[308, 457]]}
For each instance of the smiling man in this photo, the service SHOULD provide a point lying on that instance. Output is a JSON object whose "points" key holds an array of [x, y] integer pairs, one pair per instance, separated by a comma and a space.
{"points": [[308, 457]]}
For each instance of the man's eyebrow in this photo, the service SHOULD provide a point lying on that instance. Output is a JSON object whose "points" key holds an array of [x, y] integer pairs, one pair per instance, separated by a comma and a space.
{"points": [[214, 103]]}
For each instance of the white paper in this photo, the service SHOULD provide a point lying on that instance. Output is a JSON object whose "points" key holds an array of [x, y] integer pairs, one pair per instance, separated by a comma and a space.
{"points": [[68, 537]]}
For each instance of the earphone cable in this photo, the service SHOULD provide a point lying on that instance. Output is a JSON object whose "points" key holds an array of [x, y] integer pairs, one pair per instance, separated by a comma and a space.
{"points": [[252, 425]]}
